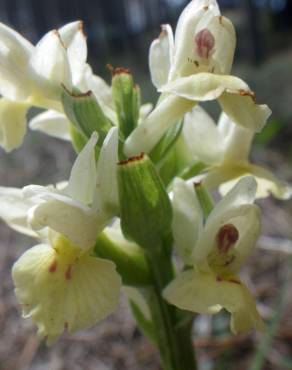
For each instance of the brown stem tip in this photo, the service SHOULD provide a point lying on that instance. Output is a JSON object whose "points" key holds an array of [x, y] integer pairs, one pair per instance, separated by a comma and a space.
{"points": [[118, 70]]}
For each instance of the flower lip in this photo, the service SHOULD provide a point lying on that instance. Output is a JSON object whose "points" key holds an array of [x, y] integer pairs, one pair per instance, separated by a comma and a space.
{"points": [[226, 238]]}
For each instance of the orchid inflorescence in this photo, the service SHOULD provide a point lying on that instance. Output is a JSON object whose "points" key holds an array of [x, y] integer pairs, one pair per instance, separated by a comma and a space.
{"points": [[138, 191]]}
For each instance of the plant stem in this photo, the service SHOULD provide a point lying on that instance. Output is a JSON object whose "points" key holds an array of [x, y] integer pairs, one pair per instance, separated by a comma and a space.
{"points": [[173, 339]]}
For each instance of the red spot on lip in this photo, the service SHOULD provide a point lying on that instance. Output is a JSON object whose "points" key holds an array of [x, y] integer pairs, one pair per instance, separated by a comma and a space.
{"points": [[205, 42], [68, 273], [227, 237], [53, 267]]}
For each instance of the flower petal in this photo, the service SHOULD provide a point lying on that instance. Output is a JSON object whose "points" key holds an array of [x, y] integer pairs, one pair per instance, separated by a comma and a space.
{"points": [[74, 40], [106, 194], [187, 219], [224, 43], [204, 293], [185, 52], [244, 111], [52, 123], [82, 182], [12, 123], [103, 93], [145, 109], [237, 144], [268, 184], [236, 98], [78, 223], [166, 114], [235, 208], [202, 136], [100, 88], [242, 193], [50, 64], [15, 52], [160, 56], [64, 290], [249, 228], [14, 210]]}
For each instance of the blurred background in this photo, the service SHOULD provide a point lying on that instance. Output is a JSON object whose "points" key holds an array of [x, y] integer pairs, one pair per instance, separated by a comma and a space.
{"points": [[120, 32]]}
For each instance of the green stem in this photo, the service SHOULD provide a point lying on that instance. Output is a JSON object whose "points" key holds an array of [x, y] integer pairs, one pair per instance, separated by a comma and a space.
{"points": [[173, 339]]}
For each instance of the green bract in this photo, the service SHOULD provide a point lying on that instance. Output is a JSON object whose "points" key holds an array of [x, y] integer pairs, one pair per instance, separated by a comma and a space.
{"points": [[84, 111], [145, 208]]}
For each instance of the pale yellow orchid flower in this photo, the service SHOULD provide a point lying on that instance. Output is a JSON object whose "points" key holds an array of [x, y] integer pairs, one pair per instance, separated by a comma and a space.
{"points": [[59, 283], [225, 148], [194, 66], [33, 75], [215, 253]]}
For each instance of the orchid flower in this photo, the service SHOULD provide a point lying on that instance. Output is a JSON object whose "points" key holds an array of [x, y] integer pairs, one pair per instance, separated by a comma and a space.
{"points": [[191, 67], [59, 283], [215, 251], [225, 149], [33, 75], [81, 209]]}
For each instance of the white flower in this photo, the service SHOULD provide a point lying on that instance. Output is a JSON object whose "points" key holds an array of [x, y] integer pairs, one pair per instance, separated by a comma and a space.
{"points": [[33, 75], [216, 251], [225, 149], [193, 66], [89, 201], [59, 283]]}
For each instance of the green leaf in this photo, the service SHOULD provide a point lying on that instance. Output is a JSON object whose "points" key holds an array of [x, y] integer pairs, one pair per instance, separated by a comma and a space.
{"points": [[146, 211], [85, 113]]}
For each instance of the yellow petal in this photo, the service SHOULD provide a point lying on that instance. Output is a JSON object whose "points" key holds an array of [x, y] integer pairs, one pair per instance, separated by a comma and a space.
{"points": [[60, 288], [234, 95], [12, 123], [206, 293], [226, 177]]}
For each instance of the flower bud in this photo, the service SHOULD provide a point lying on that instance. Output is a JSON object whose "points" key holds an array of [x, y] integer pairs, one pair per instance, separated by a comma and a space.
{"points": [[126, 97], [145, 208]]}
